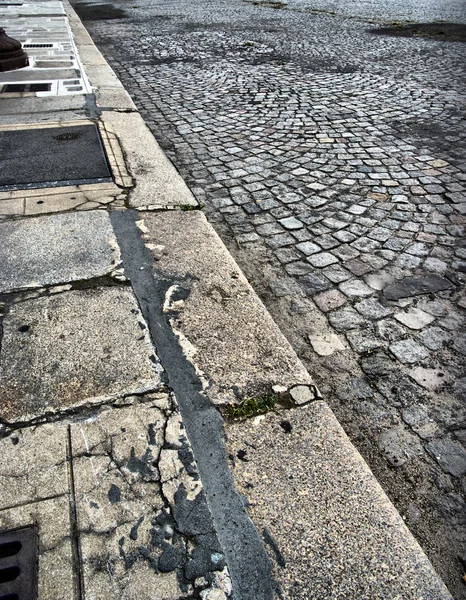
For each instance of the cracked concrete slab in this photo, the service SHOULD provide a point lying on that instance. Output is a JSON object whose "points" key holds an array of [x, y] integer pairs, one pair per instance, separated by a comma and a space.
{"points": [[79, 347], [144, 527], [56, 249], [222, 326], [333, 535]]}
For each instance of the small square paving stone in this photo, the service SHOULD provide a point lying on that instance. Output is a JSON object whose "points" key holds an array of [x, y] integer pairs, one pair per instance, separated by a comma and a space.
{"points": [[323, 259], [56, 249], [61, 351], [372, 309], [408, 351], [308, 248], [329, 300], [363, 340], [414, 318], [291, 223], [345, 319], [434, 338], [355, 288], [326, 344], [450, 455]]}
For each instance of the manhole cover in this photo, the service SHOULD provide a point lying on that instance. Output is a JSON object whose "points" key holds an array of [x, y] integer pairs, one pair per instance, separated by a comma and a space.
{"points": [[52, 156], [18, 564]]}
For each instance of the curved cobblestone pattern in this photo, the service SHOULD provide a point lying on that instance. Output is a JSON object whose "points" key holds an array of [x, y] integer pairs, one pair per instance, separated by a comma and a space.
{"points": [[332, 161]]}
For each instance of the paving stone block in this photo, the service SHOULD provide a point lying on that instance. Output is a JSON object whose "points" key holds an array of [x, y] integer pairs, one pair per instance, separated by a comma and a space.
{"points": [[408, 351], [326, 344], [372, 309], [434, 338], [345, 319], [414, 318], [415, 286], [329, 300], [355, 288], [450, 454]]}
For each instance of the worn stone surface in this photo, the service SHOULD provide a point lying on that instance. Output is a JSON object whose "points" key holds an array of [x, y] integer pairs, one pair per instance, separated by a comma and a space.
{"points": [[79, 346], [340, 522], [33, 465], [222, 326], [450, 454], [415, 286], [144, 158], [56, 249]]}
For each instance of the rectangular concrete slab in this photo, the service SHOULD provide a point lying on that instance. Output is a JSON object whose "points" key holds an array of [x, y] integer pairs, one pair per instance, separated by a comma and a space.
{"points": [[59, 352], [117, 495], [47, 155], [328, 527], [56, 249], [221, 324]]}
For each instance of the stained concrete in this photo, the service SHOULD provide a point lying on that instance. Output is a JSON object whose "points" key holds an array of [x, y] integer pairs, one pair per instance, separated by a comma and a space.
{"points": [[76, 347], [221, 324], [330, 530], [157, 543], [56, 249]]}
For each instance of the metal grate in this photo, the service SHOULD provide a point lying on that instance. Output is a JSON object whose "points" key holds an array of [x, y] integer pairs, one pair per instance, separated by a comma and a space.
{"points": [[26, 87], [37, 46], [18, 564]]}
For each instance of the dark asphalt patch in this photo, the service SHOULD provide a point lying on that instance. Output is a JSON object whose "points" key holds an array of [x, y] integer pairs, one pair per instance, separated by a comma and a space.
{"points": [[88, 11], [48, 156], [447, 32]]}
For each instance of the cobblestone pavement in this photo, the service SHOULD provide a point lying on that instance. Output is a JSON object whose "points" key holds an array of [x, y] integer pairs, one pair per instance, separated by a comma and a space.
{"points": [[332, 161]]}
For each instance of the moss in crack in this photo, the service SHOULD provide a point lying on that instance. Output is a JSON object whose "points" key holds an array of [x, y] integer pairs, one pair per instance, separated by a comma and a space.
{"points": [[251, 407]]}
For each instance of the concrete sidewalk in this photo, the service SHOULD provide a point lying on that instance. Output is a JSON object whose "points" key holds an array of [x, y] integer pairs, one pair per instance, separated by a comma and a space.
{"points": [[127, 333]]}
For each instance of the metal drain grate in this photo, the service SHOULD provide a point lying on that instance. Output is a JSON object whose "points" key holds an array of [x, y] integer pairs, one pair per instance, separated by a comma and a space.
{"points": [[26, 87], [37, 46], [18, 564]]}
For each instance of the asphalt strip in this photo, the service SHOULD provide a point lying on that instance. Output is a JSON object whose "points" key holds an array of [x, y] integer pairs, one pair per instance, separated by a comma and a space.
{"points": [[249, 566]]}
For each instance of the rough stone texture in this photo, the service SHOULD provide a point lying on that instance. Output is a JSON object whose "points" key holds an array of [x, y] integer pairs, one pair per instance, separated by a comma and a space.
{"points": [[222, 326], [79, 346], [141, 507], [352, 134], [408, 351], [340, 522], [33, 465], [414, 318], [56, 249], [450, 454], [415, 286]]}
